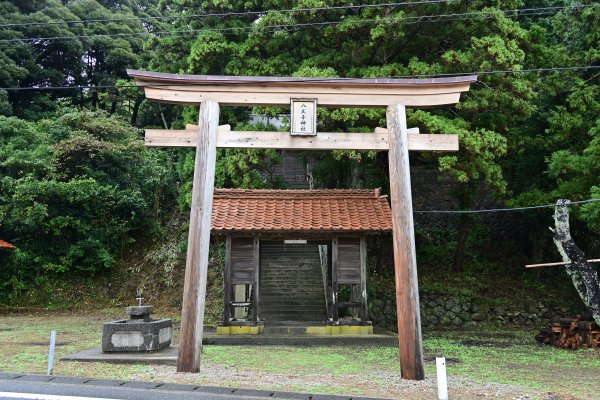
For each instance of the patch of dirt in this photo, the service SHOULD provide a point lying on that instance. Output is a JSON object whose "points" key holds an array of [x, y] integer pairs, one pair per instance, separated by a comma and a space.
{"points": [[553, 396], [449, 360], [489, 335], [44, 343], [479, 343]]}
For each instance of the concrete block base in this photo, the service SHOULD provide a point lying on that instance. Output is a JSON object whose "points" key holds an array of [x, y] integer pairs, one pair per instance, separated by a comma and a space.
{"points": [[145, 335], [240, 330], [340, 330]]}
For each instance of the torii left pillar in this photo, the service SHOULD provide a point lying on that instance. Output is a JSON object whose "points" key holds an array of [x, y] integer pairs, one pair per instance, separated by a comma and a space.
{"points": [[405, 257], [196, 267]]}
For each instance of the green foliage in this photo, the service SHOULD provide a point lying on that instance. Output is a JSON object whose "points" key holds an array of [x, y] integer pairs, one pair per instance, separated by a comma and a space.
{"points": [[75, 192], [78, 57], [77, 187]]}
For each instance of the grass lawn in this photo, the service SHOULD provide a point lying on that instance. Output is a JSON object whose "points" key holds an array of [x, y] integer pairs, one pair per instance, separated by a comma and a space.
{"points": [[504, 363]]}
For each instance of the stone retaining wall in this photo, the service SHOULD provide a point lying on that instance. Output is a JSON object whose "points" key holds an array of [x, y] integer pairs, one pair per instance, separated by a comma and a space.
{"points": [[438, 309]]}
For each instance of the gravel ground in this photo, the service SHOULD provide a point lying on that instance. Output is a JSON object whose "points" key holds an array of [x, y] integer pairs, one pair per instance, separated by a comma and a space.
{"points": [[371, 384]]}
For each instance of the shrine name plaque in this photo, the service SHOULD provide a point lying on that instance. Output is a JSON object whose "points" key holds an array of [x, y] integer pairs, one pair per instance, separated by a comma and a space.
{"points": [[303, 119]]}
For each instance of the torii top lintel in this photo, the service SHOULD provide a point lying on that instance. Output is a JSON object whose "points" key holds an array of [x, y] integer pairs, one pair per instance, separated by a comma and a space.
{"points": [[277, 91]]}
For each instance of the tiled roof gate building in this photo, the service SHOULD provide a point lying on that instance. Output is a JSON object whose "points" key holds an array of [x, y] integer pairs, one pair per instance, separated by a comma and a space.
{"points": [[289, 251], [302, 94]]}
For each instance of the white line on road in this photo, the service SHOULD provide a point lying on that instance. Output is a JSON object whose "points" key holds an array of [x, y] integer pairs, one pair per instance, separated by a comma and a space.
{"points": [[36, 396]]}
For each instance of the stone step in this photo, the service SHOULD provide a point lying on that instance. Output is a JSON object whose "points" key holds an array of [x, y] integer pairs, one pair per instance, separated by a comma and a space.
{"points": [[292, 306], [295, 259], [293, 280], [291, 290], [292, 301], [298, 281], [283, 297], [291, 284], [289, 317], [310, 275], [293, 310], [283, 307]]}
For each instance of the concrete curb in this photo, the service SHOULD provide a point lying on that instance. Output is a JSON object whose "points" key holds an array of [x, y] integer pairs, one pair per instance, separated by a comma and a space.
{"points": [[172, 387]]}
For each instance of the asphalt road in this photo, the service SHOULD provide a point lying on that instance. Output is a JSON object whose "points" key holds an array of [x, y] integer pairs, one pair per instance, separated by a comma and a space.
{"points": [[42, 387]]}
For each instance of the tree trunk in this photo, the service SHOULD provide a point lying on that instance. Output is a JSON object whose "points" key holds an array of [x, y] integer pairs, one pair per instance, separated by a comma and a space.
{"points": [[136, 109], [463, 233], [584, 276], [465, 196], [94, 98]]}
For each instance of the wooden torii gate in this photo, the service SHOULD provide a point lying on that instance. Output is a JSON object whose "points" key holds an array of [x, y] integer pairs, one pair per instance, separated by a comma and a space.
{"points": [[212, 91]]}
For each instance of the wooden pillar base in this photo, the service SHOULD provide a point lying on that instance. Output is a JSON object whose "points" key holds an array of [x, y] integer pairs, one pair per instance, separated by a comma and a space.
{"points": [[405, 260]]}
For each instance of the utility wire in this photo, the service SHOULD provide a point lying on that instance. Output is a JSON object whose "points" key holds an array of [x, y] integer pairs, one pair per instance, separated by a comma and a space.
{"points": [[184, 84], [507, 71], [504, 209], [230, 14], [410, 19]]}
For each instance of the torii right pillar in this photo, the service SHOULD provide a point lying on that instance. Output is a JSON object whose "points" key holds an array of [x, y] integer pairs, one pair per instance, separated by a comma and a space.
{"points": [[405, 259]]}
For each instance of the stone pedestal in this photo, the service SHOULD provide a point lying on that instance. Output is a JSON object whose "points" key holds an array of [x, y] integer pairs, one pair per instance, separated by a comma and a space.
{"points": [[138, 334]]}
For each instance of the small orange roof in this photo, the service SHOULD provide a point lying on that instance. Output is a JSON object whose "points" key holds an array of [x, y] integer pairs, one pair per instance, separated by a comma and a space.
{"points": [[6, 245], [333, 210]]}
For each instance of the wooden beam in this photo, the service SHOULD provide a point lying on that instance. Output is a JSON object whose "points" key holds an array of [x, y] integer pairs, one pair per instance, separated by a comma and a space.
{"points": [[227, 127], [405, 260], [335, 301], [196, 268], [227, 281], [277, 91], [177, 95], [554, 264], [283, 140], [364, 312], [256, 260]]}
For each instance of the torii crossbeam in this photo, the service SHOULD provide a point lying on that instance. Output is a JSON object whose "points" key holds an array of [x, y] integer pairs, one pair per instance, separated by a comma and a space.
{"points": [[212, 91]]}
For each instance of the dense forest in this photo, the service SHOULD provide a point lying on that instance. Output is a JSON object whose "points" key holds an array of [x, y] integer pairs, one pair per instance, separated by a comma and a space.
{"points": [[79, 192]]}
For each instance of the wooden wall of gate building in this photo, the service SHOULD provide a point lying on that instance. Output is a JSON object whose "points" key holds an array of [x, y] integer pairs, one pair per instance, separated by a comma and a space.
{"points": [[344, 265]]}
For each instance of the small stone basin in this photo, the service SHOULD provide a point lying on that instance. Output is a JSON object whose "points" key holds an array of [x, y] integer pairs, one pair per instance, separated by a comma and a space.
{"points": [[138, 334]]}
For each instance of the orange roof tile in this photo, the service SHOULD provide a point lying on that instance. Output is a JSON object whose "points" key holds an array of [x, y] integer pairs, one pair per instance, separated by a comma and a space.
{"points": [[337, 210], [6, 245]]}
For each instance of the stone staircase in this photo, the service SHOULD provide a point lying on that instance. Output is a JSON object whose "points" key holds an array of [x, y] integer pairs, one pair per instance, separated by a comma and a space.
{"points": [[291, 283]]}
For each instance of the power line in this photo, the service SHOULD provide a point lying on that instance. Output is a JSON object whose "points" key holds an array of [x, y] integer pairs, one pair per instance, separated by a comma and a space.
{"points": [[183, 84], [504, 209], [229, 14], [414, 19], [506, 71]]}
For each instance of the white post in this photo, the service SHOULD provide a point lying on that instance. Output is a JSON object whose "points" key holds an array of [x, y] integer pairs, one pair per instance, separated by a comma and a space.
{"points": [[441, 378], [51, 353]]}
